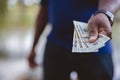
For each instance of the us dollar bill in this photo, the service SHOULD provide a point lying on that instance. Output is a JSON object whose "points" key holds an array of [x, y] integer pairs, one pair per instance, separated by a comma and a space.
{"points": [[81, 36]]}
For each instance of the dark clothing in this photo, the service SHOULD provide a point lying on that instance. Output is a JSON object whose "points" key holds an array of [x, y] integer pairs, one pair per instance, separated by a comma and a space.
{"points": [[61, 15], [59, 62]]}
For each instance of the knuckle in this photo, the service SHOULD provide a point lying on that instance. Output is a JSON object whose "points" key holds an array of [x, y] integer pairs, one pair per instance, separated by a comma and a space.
{"points": [[109, 33], [90, 23]]}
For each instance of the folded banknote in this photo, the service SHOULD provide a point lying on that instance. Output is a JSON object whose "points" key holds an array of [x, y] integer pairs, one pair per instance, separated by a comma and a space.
{"points": [[81, 36]]}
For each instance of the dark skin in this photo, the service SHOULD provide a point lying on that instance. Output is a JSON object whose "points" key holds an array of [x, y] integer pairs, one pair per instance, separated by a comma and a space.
{"points": [[40, 25], [100, 23], [96, 24]]}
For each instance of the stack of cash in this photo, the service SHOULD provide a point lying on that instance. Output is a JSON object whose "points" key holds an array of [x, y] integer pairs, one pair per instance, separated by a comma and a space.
{"points": [[80, 39]]}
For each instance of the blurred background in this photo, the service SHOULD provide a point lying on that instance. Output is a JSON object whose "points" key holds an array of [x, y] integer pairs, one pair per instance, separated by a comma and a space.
{"points": [[17, 22]]}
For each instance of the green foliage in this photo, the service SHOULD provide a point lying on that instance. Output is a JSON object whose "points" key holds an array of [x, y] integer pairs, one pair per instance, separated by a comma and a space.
{"points": [[18, 15], [3, 7]]}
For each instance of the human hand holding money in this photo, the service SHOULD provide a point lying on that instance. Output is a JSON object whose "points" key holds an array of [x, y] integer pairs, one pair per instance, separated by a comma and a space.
{"points": [[81, 39], [99, 24]]}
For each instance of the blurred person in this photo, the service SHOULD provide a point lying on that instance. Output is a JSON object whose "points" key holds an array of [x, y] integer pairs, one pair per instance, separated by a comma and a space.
{"points": [[59, 60]]}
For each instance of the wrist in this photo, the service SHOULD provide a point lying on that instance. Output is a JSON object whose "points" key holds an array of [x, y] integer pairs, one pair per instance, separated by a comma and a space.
{"points": [[109, 15]]}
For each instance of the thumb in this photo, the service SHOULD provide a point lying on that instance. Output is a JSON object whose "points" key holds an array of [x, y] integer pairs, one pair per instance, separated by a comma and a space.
{"points": [[93, 33]]}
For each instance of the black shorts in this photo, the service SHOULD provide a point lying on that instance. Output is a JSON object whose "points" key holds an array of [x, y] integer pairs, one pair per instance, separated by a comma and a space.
{"points": [[60, 62]]}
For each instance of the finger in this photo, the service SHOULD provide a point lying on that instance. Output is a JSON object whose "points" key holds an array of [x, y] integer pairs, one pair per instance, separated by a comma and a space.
{"points": [[93, 33], [33, 65], [102, 31], [108, 29]]}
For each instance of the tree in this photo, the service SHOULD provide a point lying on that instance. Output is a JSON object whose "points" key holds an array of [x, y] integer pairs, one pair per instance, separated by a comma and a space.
{"points": [[3, 7]]}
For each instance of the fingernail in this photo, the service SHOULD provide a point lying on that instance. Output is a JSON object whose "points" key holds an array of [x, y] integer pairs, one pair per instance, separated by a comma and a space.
{"points": [[92, 38]]}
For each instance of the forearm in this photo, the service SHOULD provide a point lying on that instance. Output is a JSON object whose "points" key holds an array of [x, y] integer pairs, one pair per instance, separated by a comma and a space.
{"points": [[110, 5], [40, 25]]}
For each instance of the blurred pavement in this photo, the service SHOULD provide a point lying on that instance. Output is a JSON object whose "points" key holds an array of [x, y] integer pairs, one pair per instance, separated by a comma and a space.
{"points": [[15, 49]]}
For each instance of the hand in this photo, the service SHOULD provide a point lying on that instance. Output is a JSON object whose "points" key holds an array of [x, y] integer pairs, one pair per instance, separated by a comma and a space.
{"points": [[99, 24], [31, 59]]}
